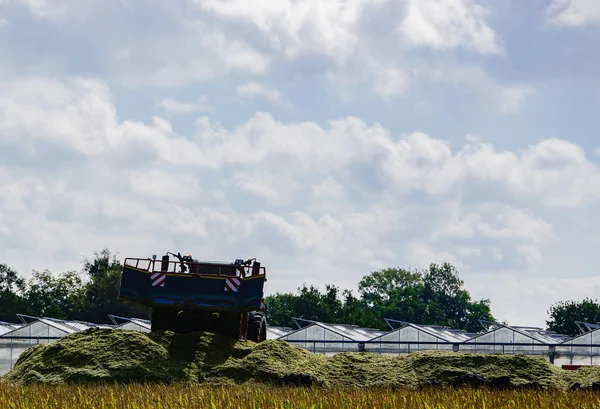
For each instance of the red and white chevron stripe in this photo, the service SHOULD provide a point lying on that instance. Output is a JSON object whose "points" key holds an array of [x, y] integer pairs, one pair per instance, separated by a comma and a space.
{"points": [[232, 284], [158, 279]]}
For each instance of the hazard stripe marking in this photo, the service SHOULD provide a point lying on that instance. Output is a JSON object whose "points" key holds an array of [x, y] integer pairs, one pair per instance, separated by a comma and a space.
{"points": [[232, 284], [158, 279]]}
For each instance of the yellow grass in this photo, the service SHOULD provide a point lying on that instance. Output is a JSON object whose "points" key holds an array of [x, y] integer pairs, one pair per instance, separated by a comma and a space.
{"points": [[184, 396]]}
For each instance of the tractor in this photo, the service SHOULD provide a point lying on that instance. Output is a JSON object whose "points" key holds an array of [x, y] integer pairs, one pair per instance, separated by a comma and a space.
{"points": [[186, 294]]}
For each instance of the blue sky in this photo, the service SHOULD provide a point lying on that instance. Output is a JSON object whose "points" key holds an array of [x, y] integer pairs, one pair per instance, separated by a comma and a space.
{"points": [[326, 138]]}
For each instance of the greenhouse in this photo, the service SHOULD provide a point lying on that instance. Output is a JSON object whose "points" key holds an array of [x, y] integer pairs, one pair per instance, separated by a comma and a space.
{"points": [[329, 339], [581, 350], [512, 340], [134, 324], [277, 332], [415, 337], [13, 343], [33, 331], [8, 327]]}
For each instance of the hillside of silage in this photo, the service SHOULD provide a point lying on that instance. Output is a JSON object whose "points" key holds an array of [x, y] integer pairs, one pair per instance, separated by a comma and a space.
{"points": [[105, 355]]}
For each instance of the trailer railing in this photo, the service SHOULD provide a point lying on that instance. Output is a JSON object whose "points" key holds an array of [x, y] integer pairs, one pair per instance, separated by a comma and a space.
{"points": [[193, 267]]}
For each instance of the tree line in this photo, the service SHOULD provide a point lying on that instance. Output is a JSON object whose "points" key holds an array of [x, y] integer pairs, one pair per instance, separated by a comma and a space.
{"points": [[87, 295], [434, 296]]}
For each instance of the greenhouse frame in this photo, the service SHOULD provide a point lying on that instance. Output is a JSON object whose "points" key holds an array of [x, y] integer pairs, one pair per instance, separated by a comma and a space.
{"points": [[414, 337], [328, 339], [332, 338], [574, 351]]}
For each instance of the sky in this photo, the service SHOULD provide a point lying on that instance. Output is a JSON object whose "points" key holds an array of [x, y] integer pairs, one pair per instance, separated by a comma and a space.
{"points": [[328, 139]]}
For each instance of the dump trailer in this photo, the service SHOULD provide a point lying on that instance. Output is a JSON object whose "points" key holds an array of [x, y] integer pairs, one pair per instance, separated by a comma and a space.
{"points": [[186, 294]]}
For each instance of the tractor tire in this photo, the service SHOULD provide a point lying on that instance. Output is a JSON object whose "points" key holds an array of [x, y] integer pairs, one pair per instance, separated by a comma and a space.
{"points": [[164, 319], [257, 327]]}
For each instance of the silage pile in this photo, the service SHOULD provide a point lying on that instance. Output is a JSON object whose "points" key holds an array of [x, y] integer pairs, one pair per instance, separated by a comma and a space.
{"points": [[104, 355]]}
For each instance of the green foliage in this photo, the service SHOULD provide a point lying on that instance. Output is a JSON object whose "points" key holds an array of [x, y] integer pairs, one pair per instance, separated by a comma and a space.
{"points": [[11, 293], [434, 296], [102, 290], [88, 295], [448, 303], [309, 303], [59, 297], [280, 309], [562, 315]]}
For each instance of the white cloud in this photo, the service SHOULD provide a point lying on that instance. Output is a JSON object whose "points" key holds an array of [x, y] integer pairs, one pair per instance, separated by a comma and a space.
{"points": [[328, 189], [524, 299], [390, 82], [497, 221], [295, 28], [554, 172], [348, 196], [196, 52], [274, 188], [348, 42], [531, 254], [41, 8], [82, 167], [447, 24], [35, 109], [479, 86], [80, 116], [158, 183], [254, 89], [171, 105], [573, 13], [422, 254], [511, 98]]}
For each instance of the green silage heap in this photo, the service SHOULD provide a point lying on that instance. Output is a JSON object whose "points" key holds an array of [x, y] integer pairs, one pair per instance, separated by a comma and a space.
{"points": [[105, 355]]}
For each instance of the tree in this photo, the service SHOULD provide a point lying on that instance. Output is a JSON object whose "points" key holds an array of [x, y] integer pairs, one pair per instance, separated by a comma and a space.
{"points": [[354, 310], [448, 303], [562, 315], [11, 293], [394, 293], [310, 304], [61, 297], [435, 296], [102, 290], [381, 285], [280, 308], [313, 305]]}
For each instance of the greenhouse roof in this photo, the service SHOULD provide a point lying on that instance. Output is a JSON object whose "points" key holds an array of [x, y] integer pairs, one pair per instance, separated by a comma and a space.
{"points": [[276, 332], [442, 332], [57, 324], [24, 329], [4, 328], [534, 333], [352, 332], [137, 321], [76, 326]]}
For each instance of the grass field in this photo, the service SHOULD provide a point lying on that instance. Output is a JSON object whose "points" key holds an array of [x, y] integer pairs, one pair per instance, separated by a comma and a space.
{"points": [[182, 396]]}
